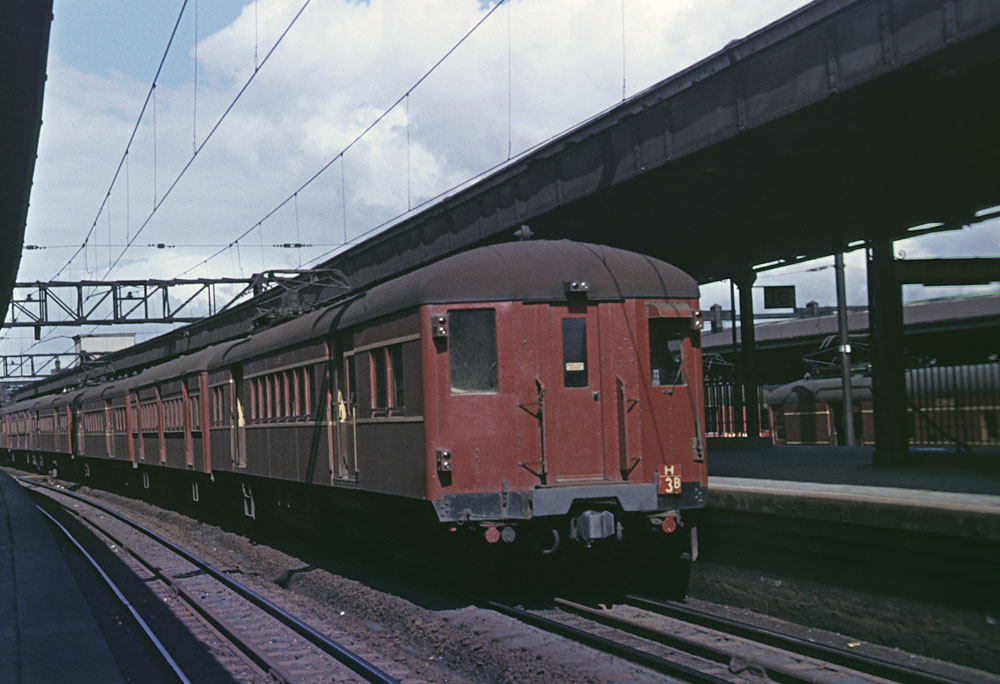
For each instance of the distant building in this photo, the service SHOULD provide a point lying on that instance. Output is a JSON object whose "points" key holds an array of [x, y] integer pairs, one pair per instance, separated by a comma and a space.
{"points": [[90, 347]]}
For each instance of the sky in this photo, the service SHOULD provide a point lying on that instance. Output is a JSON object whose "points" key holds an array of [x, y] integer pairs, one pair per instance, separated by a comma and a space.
{"points": [[196, 178]]}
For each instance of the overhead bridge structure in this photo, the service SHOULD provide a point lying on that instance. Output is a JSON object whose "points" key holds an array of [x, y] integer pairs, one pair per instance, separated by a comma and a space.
{"points": [[847, 120]]}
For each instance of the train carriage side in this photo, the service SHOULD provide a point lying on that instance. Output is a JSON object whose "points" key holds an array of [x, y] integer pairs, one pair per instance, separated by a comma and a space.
{"points": [[380, 391], [92, 408], [47, 410], [271, 393], [167, 411]]}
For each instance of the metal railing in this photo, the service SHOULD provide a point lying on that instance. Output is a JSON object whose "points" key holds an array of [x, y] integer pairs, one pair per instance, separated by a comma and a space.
{"points": [[725, 408], [954, 406]]}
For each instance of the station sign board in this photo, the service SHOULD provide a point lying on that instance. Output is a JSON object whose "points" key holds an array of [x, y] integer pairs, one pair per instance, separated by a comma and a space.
{"points": [[779, 297]]}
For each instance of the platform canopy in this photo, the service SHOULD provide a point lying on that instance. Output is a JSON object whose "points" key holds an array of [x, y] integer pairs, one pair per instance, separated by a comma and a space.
{"points": [[24, 49], [844, 120]]}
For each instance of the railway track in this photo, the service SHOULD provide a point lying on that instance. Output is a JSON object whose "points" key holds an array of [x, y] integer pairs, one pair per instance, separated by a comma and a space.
{"points": [[275, 644], [695, 646]]}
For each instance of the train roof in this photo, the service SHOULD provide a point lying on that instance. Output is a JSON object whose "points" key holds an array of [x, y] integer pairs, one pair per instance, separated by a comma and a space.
{"points": [[530, 270], [182, 366], [826, 390], [301, 329], [921, 383], [102, 392], [534, 270]]}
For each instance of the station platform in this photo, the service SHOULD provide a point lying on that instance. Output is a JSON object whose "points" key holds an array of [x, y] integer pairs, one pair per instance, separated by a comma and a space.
{"points": [[47, 631], [840, 484]]}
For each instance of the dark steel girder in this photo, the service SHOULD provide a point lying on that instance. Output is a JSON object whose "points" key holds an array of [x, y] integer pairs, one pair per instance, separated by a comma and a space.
{"points": [[843, 121], [24, 47], [31, 366], [97, 302]]}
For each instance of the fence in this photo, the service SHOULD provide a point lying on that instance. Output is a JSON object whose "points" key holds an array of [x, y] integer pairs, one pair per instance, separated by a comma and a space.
{"points": [[954, 405], [725, 407]]}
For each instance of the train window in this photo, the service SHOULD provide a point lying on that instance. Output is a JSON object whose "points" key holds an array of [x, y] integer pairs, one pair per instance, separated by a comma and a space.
{"points": [[380, 383], [396, 368], [574, 344], [352, 380], [269, 403], [472, 350], [666, 336], [218, 405], [307, 390]]}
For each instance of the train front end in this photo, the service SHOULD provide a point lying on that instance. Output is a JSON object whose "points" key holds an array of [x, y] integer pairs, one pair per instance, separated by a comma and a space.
{"points": [[563, 397]]}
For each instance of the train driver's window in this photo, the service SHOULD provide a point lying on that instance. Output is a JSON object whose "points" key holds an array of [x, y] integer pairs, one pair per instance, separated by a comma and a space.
{"points": [[472, 350], [666, 337]]}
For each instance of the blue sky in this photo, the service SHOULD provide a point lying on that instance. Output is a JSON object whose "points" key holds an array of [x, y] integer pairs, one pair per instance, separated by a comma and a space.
{"points": [[104, 36], [336, 71]]}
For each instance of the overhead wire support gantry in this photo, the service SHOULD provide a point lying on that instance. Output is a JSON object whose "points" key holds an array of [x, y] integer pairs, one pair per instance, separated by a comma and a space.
{"points": [[95, 302], [175, 300]]}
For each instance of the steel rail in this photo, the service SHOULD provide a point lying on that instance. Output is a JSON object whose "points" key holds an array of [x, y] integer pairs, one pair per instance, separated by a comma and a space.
{"points": [[695, 647], [121, 597], [253, 653], [856, 661], [351, 660], [649, 660]]}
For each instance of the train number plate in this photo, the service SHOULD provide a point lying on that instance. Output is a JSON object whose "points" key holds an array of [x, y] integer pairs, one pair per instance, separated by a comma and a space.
{"points": [[670, 479]]}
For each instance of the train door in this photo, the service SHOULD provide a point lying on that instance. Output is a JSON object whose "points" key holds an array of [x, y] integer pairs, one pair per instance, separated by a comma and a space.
{"points": [[78, 431], [675, 381], [571, 398], [239, 440], [138, 450], [345, 416]]}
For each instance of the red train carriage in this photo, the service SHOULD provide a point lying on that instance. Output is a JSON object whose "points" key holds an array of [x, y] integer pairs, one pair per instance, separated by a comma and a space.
{"points": [[562, 386], [549, 387]]}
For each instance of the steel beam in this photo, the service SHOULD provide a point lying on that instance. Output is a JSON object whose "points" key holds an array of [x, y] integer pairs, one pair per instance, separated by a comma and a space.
{"points": [[948, 271], [885, 315], [748, 358], [847, 438], [96, 302], [29, 366]]}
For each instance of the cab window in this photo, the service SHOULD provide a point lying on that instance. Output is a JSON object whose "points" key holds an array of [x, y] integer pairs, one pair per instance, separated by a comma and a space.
{"points": [[472, 350], [666, 337]]}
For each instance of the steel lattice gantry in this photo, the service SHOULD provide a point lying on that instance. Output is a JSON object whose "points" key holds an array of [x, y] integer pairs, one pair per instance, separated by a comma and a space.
{"points": [[94, 302]]}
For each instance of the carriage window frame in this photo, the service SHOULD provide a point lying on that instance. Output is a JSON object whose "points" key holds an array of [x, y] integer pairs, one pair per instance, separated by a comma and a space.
{"points": [[472, 351], [388, 381]]}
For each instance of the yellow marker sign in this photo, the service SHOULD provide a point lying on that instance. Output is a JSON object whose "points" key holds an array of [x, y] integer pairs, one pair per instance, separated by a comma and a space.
{"points": [[670, 480]]}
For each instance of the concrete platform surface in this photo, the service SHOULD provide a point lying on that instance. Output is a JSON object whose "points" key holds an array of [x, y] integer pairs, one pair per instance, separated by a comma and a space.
{"points": [[973, 516], [47, 631]]}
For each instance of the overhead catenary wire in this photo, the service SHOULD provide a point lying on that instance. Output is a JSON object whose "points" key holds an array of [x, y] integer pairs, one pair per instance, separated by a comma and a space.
{"points": [[510, 78], [128, 145], [623, 50], [194, 114], [339, 156], [210, 134]]}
